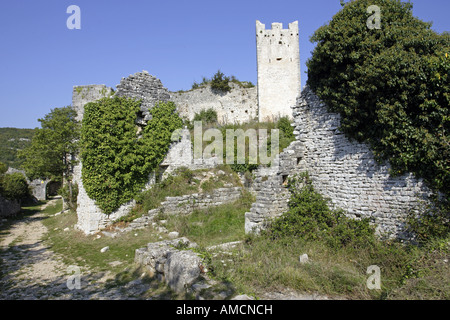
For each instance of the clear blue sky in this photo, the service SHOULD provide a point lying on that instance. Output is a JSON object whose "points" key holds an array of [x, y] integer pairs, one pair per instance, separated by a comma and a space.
{"points": [[177, 41]]}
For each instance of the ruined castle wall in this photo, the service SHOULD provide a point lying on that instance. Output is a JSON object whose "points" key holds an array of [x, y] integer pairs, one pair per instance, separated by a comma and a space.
{"points": [[237, 106], [346, 171], [342, 170]]}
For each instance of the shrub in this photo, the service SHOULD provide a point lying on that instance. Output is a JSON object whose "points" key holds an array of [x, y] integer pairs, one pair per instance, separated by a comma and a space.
{"points": [[433, 223], [310, 218], [65, 194], [14, 186], [3, 168], [207, 116], [390, 85]]}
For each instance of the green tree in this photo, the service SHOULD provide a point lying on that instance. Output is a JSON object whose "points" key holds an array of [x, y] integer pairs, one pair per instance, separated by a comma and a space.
{"points": [[390, 85], [53, 147], [220, 82]]}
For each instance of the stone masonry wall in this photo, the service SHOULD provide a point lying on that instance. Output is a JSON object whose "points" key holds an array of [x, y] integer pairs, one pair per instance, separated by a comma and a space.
{"points": [[8, 207], [237, 106], [188, 203], [343, 171], [143, 86]]}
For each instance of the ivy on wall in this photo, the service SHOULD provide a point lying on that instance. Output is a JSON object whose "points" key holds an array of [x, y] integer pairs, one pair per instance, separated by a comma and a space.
{"points": [[117, 158]]}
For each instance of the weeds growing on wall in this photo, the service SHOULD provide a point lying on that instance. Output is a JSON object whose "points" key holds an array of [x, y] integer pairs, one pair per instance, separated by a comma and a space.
{"points": [[117, 160]]}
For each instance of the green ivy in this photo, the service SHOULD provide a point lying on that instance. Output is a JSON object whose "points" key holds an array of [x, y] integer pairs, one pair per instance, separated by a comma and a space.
{"points": [[117, 160]]}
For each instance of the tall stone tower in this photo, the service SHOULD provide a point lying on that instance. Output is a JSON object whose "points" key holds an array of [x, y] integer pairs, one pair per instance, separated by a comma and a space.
{"points": [[278, 60]]}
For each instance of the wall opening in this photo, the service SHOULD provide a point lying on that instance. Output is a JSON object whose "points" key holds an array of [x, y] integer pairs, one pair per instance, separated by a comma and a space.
{"points": [[284, 179]]}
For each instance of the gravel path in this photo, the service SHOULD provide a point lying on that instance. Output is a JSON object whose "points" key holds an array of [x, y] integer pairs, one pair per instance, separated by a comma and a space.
{"points": [[29, 270]]}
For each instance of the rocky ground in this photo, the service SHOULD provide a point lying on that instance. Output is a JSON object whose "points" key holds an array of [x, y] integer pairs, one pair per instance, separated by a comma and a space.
{"points": [[30, 270]]}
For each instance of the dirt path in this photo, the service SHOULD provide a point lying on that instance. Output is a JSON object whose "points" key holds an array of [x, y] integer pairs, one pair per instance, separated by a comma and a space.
{"points": [[30, 270]]}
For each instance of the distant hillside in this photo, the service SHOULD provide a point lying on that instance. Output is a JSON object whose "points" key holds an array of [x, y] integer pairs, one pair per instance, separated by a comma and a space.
{"points": [[11, 140]]}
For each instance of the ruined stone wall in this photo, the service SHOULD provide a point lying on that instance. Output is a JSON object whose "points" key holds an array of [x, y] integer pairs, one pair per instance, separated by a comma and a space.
{"points": [[342, 170], [237, 106], [143, 86], [8, 207], [188, 203]]}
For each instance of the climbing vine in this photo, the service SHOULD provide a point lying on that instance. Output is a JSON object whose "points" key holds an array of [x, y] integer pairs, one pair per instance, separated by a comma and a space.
{"points": [[117, 158]]}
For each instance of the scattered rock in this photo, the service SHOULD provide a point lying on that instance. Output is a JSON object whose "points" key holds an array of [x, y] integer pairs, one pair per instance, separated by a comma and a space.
{"points": [[242, 297], [181, 269], [173, 235], [115, 263], [66, 229], [109, 234], [304, 258], [104, 249]]}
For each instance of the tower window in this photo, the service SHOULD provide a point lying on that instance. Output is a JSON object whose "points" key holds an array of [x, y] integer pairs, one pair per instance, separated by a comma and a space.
{"points": [[279, 59], [279, 42]]}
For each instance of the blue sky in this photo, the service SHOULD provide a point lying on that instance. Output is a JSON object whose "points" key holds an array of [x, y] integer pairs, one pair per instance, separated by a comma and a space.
{"points": [[177, 41]]}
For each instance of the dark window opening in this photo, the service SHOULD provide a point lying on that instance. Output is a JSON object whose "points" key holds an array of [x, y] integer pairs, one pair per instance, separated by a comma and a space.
{"points": [[279, 59], [284, 179]]}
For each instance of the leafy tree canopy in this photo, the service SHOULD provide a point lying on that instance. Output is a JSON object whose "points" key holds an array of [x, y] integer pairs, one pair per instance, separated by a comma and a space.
{"points": [[53, 146]]}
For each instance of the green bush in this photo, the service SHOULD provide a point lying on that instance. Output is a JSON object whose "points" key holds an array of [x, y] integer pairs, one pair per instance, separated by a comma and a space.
{"points": [[3, 168], [14, 186], [208, 116], [116, 160], [65, 194], [310, 218], [433, 222], [390, 85], [220, 82]]}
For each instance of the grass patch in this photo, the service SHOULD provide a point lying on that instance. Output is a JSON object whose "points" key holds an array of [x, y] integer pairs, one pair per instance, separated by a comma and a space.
{"points": [[224, 223], [182, 182]]}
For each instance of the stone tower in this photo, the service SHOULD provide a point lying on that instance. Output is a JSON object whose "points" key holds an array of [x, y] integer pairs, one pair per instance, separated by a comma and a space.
{"points": [[278, 60]]}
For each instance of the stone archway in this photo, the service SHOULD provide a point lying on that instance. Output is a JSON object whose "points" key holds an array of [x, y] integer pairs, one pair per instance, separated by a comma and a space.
{"points": [[52, 188]]}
